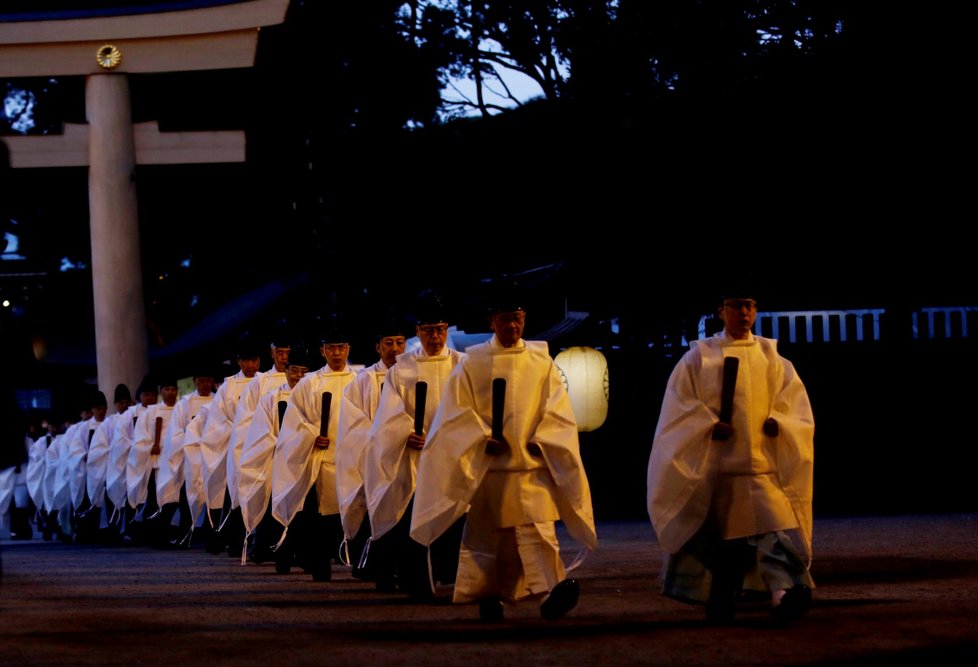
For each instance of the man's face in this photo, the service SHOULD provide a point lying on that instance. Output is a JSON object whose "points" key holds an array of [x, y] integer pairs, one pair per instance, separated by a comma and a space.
{"points": [[248, 366], [204, 384], [169, 395], [433, 337], [389, 347], [149, 397], [508, 327], [335, 355], [738, 317], [99, 412], [122, 406], [280, 357], [294, 373]]}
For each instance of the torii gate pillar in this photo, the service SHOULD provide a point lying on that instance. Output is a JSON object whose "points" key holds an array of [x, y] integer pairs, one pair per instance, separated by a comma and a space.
{"points": [[121, 349], [106, 47]]}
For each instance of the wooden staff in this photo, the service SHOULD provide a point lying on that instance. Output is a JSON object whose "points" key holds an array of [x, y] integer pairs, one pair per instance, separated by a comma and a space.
{"points": [[420, 399], [281, 412], [498, 403], [730, 366], [156, 437]]}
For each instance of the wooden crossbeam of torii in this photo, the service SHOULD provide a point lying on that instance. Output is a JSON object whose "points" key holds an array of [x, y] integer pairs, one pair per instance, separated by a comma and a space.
{"points": [[106, 46]]}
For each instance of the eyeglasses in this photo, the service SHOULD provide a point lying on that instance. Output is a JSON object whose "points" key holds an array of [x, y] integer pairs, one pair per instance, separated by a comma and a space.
{"points": [[738, 304], [337, 347], [429, 329]]}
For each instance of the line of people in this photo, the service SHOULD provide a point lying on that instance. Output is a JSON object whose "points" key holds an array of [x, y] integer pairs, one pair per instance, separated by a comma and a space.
{"points": [[417, 471]]}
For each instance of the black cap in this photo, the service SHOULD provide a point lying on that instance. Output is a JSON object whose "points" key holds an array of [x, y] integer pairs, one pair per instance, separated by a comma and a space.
{"points": [[333, 334], [98, 400], [505, 296], [248, 346], [739, 287], [122, 393], [391, 325], [148, 385], [281, 334], [167, 379], [430, 308], [299, 354]]}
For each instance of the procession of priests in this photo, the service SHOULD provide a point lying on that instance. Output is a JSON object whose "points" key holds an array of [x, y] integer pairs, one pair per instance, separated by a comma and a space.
{"points": [[434, 472]]}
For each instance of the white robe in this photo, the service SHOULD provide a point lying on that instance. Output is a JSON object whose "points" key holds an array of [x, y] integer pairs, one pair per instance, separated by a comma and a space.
{"points": [[514, 489], [122, 436], [216, 437], [77, 460], [193, 465], [98, 460], [257, 452], [36, 460], [170, 475], [13, 478], [260, 385], [357, 410], [56, 496], [390, 467], [767, 481], [298, 465], [142, 461]]}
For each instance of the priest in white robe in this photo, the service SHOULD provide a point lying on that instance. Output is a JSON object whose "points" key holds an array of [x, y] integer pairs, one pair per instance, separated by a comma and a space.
{"points": [[516, 474], [171, 493], [396, 437], [144, 460], [304, 467], [262, 531], [214, 443], [730, 473], [261, 384], [98, 458]]}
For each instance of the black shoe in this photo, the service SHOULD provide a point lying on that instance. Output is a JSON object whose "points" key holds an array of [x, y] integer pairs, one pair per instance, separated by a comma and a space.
{"points": [[561, 600], [796, 601], [491, 610], [214, 544], [385, 586]]}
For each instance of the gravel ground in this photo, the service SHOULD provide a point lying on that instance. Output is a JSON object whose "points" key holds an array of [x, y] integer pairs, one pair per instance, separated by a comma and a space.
{"points": [[888, 588]]}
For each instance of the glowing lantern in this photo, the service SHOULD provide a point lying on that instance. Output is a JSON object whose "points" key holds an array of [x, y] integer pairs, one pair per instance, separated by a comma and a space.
{"points": [[585, 374]]}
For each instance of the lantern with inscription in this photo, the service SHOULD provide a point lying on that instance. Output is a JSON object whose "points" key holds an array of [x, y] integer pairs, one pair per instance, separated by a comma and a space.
{"points": [[585, 374]]}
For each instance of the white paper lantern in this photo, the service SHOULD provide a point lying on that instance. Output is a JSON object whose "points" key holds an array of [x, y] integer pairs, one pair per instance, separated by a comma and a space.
{"points": [[585, 374]]}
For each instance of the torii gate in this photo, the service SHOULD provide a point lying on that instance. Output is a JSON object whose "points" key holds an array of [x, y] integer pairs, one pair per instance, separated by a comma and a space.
{"points": [[169, 36]]}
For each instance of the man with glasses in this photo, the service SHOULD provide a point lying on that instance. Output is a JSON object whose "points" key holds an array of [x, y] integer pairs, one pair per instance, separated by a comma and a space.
{"points": [[730, 474], [304, 464], [396, 438]]}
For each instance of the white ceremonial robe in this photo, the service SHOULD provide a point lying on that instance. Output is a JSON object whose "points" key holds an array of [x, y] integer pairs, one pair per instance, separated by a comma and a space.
{"points": [[77, 460], [7, 481], [170, 474], [298, 464], [216, 437], [142, 461], [122, 437], [98, 460], [514, 490], [753, 483], [357, 410], [193, 464], [36, 461], [390, 467], [257, 453], [56, 492], [260, 385], [13, 482]]}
